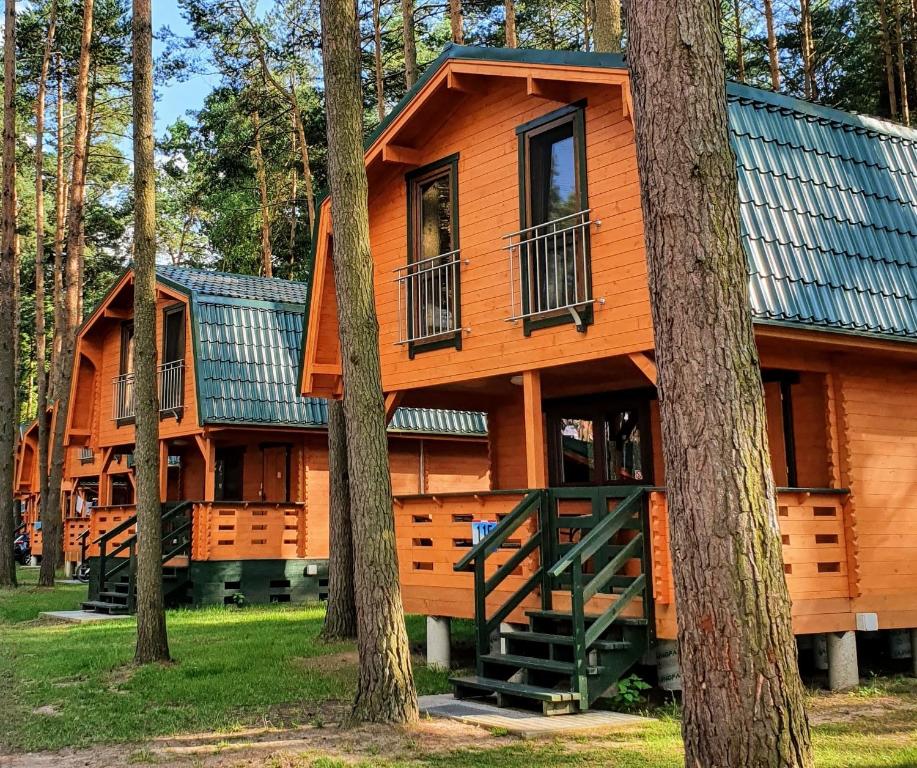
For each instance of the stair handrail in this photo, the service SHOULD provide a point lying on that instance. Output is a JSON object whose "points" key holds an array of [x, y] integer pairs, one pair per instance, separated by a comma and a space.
{"points": [[598, 536], [498, 536]]}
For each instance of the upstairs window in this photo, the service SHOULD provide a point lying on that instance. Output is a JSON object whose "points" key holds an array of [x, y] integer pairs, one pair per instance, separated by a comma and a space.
{"points": [[172, 367], [550, 254], [429, 286], [173, 334]]}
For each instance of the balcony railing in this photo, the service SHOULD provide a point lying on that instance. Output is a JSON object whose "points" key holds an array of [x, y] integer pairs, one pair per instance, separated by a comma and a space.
{"points": [[428, 298], [171, 391], [86, 454], [549, 268]]}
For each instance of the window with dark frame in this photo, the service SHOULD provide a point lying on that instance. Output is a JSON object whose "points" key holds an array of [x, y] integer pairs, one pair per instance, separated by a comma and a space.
{"points": [[172, 367], [430, 283], [173, 333], [553, 244]]}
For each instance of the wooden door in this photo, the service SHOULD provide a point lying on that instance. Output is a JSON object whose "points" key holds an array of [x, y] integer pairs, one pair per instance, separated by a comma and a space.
{"points": [[275, 479]]}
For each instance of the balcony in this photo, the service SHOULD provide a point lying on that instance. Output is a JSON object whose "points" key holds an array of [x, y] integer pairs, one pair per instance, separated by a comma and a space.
{"points": [[171, 392], [428, 299], [549, 270]]}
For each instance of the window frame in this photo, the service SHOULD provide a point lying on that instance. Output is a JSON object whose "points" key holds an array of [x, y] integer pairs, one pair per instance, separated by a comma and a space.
{"points": [[167, 314], [574, 113], [413, 180], [127, 337]]}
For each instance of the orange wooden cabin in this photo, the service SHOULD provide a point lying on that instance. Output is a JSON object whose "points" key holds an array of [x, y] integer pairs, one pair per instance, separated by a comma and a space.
{"points": [[243, 456], [510, 278]]}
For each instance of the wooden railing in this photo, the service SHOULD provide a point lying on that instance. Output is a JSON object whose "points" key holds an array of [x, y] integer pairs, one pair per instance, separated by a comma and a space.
{"points": [[434, 532], [815, 554], [74, 528], [102, 520], [248, 530]]}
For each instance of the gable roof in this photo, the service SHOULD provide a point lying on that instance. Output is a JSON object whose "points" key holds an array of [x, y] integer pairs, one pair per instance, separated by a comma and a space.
{"points": [[247, 333], [828, 200]]}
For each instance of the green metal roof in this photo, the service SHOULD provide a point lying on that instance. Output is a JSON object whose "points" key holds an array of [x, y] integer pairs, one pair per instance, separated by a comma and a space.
{"points": [[247, 333], [828, 203]]}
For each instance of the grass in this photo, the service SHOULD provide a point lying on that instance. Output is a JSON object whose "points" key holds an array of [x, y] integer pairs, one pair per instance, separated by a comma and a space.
{"points": [[75, 687]]}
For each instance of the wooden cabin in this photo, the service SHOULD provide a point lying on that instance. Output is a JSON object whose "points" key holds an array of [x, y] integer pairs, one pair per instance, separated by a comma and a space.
{"points": [[243, 456], [510, 278]]}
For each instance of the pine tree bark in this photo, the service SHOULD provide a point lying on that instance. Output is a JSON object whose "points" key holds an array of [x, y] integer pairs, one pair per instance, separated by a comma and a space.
{"points": [[743, 699], [740, 44], [808, 49], [772, 53], [885, 34], [385, 685], [606, 28], [509, 10], [341, 613], [902, 68], [267, 257], [377, 59], [41, 342], [152, 640], [410, 43], [8, 282], [457, 22], [70, 303], [60, 217]]}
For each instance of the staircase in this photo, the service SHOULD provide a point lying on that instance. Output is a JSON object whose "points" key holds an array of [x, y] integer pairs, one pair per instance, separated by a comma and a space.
{"points": [[565, 659], [112, 581]]}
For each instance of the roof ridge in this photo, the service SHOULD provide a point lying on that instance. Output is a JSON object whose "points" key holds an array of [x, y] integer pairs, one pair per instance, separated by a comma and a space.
{"points": [[856, 121]]}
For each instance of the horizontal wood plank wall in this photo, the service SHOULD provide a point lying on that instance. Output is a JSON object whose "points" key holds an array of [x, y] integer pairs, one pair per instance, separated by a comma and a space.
{"points": [[877, 409], [506, 430], [433, 534], [815, 560], [456, 465], [810, 430], [482, 130], [315, 472], [248, 531]]}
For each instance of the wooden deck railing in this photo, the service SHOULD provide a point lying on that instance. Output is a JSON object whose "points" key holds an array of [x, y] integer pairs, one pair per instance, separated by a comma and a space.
{"points": [[248, 530], [815, 555], [104, 519]]}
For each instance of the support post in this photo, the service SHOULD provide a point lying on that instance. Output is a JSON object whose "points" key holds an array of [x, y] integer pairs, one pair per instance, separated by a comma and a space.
{"points": [[843, 672], [914, 652], [536, 465], [163, 470], [439, 642]]}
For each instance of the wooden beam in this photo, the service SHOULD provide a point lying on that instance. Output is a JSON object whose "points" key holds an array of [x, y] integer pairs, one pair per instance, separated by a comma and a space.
{"points": [[536, 465], [542, 88], [392, 401], [393, 153], [117, 314], [646, 365], [464, 83], [163, 470], [627, 101], [208, 451], [330, 369]]}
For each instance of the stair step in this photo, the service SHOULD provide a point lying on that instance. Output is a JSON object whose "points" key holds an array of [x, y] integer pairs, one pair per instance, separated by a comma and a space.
{"points": [[543, 637], [116, 595], [100, 607], [521, 690], [529, 662], [628, 621]]}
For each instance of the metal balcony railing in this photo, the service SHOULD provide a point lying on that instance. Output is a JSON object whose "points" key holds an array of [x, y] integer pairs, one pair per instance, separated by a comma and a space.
{"points": [[86, 454], [171, 391], [549, 268], [428, 298]]}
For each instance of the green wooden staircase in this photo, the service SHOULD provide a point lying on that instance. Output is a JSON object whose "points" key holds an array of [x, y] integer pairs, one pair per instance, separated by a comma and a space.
{"points": [[112, 575], [597, 564]]}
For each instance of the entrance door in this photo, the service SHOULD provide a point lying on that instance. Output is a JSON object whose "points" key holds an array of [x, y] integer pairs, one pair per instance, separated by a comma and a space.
{"points": [[275, 479], [600, 439]]}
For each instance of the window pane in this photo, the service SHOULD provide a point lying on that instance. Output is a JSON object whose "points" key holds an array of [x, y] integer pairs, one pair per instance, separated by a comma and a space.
{"points": [[435, 217], [553, 174], [623, 449], [578, 447]]}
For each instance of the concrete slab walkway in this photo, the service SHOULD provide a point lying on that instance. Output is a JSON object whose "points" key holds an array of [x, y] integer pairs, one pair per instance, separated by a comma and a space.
{"points": [[523, 723], [81, 617]]}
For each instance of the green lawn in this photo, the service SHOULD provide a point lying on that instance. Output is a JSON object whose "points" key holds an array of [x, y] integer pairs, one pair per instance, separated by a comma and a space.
{"points": [[74, 686]]}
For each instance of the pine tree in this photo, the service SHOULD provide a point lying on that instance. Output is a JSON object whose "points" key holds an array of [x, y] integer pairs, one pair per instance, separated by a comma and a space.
{"points": [[743, 699]]}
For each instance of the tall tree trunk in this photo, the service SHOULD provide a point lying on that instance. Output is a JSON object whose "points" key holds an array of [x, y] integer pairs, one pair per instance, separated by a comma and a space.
{"points": [[152, 640], [808, 49], [902, 68], [457, 22], [740, 44], [606, 31], [772, 53], [588, 12], [385, 685], [743, 698], [377, 59], [885, 34], [8, 281], [60, 216], [70, 313], [509, 9], [293, 100], [41, 343], [341, 615], [410, 42], [267, 258]]}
